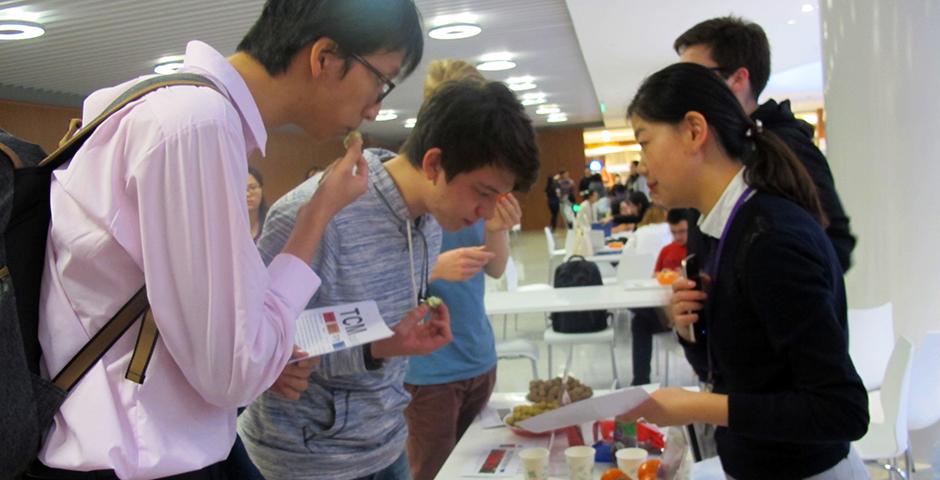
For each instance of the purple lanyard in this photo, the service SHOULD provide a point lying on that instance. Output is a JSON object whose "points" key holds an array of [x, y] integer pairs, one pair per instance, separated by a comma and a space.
{"points": [[714, 262]]}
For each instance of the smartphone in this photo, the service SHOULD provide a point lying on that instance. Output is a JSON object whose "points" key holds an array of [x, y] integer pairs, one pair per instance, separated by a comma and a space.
{"points": [[692, 271]]}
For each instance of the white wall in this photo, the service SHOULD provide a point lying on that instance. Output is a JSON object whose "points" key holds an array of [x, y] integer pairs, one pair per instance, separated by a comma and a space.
{"points": [[882, 91]]}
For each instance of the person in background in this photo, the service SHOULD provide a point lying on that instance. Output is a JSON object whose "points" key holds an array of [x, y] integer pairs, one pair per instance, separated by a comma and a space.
{"points": [[640, 184], [566, 186], [257, 205], [451, 386], [738, 51], [585, 182], [630, 212], [471, 145], [552, 193], [632, 178], [786, 399], [163, 204], [649, 321]]}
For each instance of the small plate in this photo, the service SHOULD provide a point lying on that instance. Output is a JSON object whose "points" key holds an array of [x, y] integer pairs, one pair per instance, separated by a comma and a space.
{"points": [[526, 433]]}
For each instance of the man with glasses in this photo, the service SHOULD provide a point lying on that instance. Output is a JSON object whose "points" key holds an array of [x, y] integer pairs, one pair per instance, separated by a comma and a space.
{"points": [[225, 321], [472, 144]]}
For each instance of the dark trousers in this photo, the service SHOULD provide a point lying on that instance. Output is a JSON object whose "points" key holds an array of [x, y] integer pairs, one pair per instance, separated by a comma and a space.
{"points": [[438, 416], [553, 207], [645, 323]]}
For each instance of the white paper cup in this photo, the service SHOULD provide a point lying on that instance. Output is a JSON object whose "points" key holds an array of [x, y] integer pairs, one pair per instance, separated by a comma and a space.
{"points": [[580, 462], [534, 463], [629, 460]]}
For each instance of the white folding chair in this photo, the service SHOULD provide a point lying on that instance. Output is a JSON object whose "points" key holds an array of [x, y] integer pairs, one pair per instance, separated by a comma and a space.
{"points": [[512, 285], [606, 337], [519, 348], [652, 238], [634, 266], [553, 253], [871, 338], [888, 439], [925, 377]]}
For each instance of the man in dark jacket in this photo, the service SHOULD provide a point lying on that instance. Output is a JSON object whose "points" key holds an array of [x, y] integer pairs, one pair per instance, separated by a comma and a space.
{"points": [[738, 51]]}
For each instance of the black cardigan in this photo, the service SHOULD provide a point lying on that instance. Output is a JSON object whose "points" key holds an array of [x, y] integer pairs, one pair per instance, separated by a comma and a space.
{"points": [[779, 347]]}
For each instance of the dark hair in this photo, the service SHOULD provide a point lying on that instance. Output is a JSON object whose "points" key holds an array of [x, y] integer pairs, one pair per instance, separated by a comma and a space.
{"points": [[639, 199], [667, 95], [360, 27], [263, 205], [734, 43], [677, 215], [476, 124]]}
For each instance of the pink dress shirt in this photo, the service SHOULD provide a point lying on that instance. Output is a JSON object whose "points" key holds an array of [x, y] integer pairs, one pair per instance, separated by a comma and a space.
{"points": [[157, 195]]}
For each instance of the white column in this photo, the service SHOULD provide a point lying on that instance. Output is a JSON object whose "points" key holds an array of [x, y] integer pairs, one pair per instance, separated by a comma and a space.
{"points": [[882, 91]]}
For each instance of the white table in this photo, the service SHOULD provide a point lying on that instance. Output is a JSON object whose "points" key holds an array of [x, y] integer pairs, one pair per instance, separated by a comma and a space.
{"points": [[571, 299], [478, 440]]}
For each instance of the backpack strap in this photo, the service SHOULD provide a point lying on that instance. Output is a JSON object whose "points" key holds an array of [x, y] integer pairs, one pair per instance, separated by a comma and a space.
{"points": [[17, 162], [138, 305], [89, 355]]}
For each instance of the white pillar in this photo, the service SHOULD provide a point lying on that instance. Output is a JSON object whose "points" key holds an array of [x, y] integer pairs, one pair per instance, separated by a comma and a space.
{"points": [[882, 91]]}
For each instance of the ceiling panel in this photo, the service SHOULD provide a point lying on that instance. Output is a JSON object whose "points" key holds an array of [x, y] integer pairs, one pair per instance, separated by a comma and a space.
{"points": [[91, 44]]}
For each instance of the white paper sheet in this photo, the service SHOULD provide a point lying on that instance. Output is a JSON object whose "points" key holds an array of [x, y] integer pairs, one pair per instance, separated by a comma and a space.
{"points": [[500, 461], [338, 327], [584, 411]]}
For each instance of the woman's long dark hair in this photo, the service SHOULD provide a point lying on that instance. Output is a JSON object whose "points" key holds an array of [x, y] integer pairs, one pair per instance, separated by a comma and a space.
{"points": [[263, 204], [667, 95]]}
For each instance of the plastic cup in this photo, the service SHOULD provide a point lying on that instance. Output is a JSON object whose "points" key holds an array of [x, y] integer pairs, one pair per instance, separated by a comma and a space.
{"points": [[629, 460], [534, 463], [580, 461]]}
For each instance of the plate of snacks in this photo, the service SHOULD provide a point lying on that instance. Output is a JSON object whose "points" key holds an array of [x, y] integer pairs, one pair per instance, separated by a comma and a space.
{"points": [[552, 391], [522, 412]]}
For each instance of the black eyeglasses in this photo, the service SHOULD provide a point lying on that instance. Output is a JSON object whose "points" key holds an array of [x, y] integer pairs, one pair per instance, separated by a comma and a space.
{"points": [[387, 84]]}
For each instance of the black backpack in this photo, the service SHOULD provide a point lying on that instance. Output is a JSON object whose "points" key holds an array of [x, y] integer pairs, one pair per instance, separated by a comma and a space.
{"points": [[578, 272], [28, 402]]}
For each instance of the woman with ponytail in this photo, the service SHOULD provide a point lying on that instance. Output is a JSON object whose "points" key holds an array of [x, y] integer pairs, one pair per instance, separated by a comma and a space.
{"points": [[785, 396]]}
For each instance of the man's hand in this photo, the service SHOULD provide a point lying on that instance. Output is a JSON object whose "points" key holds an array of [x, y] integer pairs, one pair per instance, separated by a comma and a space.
{"points": [[294, 380], [684, 305], [343, 181], [460, 264], [507, 215], [412, 337]]}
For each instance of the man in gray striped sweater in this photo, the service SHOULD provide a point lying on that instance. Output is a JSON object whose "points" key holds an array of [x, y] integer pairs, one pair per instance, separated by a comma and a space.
{"points": [[472, 143]]}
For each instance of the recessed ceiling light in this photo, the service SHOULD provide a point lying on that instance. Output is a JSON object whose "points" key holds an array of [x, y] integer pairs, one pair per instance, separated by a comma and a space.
{"points": [[494, 62], [534, 98], [455, 31], [547, 109], [168, 68], [557, 117], [807, 8], [496, 65], [518, 84], [410, 123], [20, 30], [385, 115], [791, 22]]}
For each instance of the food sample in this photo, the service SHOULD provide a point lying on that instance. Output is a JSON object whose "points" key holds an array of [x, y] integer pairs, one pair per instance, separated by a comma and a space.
{"points": [[433, 301], [349, 138], [522, 412], [551, 390]]}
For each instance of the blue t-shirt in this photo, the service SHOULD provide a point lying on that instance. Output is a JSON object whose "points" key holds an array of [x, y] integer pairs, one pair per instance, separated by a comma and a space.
{"points": [[473, 351]]}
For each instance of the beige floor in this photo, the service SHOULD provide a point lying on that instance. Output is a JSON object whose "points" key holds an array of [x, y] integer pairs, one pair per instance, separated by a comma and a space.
{"points": [[591, 364]]}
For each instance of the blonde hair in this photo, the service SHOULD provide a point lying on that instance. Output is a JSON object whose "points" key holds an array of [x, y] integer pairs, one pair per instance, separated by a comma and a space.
{"points": [[654, 214], [441, 71]]}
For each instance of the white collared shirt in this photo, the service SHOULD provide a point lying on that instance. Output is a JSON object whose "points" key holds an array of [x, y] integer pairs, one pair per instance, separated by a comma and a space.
{"points": [[714, 223]]}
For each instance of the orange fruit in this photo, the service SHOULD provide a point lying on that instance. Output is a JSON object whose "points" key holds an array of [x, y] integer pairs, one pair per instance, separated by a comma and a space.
{"points": [[666, 277], [615, 474], [647, 470]]}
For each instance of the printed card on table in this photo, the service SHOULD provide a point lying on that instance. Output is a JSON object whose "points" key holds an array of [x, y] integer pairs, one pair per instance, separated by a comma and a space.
{"points": [[338, 327]]}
